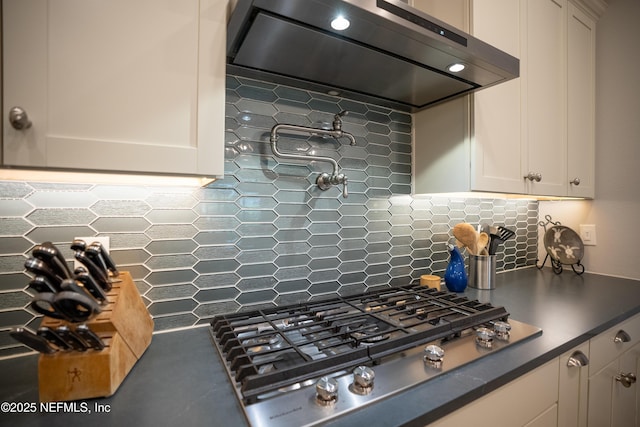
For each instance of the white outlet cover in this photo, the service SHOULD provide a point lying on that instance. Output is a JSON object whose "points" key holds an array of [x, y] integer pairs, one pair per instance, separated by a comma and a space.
{"points": [[588, 234], [103, 240]]}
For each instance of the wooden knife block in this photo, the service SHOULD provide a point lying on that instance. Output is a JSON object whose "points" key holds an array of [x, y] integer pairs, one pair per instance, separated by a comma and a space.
{"points": [[124, 325]]}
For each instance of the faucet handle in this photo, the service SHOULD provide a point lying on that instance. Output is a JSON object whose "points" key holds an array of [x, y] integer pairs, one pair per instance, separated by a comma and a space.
{"points": [[337, 119], [345, 193], [325, 181]]}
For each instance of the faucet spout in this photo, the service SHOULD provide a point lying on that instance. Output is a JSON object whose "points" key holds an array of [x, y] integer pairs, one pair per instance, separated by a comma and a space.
{"points": [[294, 156], [325, 180]]}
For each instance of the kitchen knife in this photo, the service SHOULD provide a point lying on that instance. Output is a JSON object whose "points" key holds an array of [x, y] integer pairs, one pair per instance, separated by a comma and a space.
{"points": [[90, 337], [95, 271], [56, 260], [72, 339], [78, 245], [39, 268], [106, 258], [32, 340], [42, 284], [95, 255], [53, 338], [91, 286]]}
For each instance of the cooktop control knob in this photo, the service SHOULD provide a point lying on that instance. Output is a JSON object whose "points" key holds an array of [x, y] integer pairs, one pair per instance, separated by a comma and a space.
{"points": [[502, 330], [433, 356], [362, 380], [326, 391], [484, 337]]}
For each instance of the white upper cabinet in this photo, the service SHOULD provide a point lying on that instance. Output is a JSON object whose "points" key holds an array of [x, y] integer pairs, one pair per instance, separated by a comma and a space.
{"points": [[532, 135], [544, 94], [581, 40], [119, 85], [499, 157]]}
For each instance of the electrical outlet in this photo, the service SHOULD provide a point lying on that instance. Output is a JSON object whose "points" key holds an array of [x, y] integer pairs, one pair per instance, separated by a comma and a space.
{"points": [[588, 234], [104, 241]]}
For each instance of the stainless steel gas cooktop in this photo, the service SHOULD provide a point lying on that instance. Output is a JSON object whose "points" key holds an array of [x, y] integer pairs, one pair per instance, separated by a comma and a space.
{"points": [[303, 364]]}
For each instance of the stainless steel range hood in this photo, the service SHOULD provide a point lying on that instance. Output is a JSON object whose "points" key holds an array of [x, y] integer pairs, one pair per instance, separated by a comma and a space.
{"points": [[391, 54]]}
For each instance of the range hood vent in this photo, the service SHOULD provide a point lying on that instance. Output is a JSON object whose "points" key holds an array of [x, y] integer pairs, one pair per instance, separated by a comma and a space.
{"points": [[391, 54]]}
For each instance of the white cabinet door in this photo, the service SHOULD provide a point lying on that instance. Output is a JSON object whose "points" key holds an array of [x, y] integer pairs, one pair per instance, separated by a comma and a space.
{"points": [[530, 400], [543, 70], [119, 85], [581, 103], [611, 404], [573, 387], [625, 400], [496, 149]]}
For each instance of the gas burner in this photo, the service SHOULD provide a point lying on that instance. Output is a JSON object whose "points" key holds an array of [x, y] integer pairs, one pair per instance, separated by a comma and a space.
{"points": [[275, 356], [368, 331], [263, 343], [279, 361]]}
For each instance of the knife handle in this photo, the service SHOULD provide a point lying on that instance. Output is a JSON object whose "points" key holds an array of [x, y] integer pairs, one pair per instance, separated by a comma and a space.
{"points": [[71, 338], [106, 257], [39, 268], [53, 338], [78, 245], [90, 337], [94, 270], [32, 340], [91, 286], [42, 284]]}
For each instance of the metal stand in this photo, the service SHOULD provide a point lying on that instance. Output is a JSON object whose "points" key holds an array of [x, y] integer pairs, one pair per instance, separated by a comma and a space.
{"points": [[556, 265]]}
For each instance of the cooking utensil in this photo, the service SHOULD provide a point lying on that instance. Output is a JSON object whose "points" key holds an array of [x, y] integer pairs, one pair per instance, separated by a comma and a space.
{"points": [[91, 286], [101, 256], [72, 339], [41, 284], [66, 305], [32, 340], [483, 242], [40, 268], [498, 235], [90, 337], [52, 337], [50, 255], [95, 271], [467, 235], [78, 245]]}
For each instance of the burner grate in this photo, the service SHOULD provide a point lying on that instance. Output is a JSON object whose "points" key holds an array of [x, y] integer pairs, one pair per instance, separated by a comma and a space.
{"points": [[270, 349]]}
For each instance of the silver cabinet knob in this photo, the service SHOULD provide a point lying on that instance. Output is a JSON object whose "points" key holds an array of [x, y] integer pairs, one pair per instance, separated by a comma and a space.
{"points": [[326, 391], [621, 336], [626, 379], [577, 360], [363, 377], [534, 176], [575, 181], [19, 119]]}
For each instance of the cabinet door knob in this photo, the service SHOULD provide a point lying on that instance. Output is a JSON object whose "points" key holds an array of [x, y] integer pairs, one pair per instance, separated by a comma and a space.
{"points": [[533, 176], [622, 336], [575, 181], [19, 119], [578, 359], [626, 379]]}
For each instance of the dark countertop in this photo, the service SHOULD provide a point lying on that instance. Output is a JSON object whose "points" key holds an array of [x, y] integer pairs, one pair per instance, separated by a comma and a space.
{"points": [[180, 380]]}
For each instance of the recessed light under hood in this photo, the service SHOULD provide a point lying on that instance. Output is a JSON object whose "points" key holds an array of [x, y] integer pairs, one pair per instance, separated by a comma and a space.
{"points": [[390, 54]]}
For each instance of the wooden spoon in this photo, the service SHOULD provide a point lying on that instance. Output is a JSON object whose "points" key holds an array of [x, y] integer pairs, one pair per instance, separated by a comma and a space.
{"points": [[483, 241], [467, 235]]}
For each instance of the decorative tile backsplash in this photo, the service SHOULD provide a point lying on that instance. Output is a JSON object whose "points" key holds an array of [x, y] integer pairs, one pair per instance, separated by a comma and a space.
{"points": [[265, 234]]}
